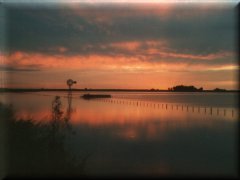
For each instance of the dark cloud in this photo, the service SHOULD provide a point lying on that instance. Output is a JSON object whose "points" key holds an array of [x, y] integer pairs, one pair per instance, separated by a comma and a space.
{"points": [[87, 30], [15, 69], [199, 32]]}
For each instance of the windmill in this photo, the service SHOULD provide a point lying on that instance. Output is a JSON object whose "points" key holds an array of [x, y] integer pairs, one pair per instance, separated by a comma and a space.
{"points": [[70, 82]]}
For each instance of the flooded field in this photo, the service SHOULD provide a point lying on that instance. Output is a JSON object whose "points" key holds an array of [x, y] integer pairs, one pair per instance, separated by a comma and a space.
{"points": [[140, 134]]}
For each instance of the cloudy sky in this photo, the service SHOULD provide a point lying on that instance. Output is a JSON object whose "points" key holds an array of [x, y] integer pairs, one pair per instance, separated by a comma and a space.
{"points": [[137, 45]]}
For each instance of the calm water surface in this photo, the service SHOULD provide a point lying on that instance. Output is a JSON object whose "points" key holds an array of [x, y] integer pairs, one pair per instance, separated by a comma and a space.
{"points": [[145, 133]]}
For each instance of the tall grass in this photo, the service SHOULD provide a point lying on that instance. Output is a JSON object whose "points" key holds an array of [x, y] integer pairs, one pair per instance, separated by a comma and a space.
{"points": [[36, 149]]}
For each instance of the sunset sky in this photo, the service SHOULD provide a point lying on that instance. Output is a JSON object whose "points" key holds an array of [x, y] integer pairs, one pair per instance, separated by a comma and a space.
{"points": [[136, 46]]}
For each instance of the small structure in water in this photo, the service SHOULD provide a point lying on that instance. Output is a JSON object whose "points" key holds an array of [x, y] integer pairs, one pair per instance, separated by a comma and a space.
{"points": [[93, 96]]}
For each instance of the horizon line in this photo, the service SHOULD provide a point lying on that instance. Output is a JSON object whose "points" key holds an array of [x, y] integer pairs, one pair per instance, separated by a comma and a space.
{"points": [[108, 89]]}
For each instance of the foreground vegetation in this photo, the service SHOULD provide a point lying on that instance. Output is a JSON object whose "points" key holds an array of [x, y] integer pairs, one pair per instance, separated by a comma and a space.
{"points": [[36, 149]]}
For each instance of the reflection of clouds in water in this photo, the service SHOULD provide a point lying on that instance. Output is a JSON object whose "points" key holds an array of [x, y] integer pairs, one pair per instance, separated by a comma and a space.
{"points": [[123, 112]]}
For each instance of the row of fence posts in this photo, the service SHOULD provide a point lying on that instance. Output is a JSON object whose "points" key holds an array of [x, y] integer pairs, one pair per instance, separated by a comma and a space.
{"points": [[166, 106]]}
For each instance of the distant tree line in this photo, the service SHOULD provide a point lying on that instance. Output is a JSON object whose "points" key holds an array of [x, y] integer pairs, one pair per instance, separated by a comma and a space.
{"points": [[219, 90], [182, 88]]}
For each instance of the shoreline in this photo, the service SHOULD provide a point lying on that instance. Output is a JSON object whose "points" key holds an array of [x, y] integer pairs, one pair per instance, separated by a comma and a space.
{"points": [[109, 90]]}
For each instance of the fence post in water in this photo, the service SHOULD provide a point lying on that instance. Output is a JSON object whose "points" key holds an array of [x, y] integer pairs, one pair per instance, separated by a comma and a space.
{"points": [[166, 106], [193, 109], [198, 109]]}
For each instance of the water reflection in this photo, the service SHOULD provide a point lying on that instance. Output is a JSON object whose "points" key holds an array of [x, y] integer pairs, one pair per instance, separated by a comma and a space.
{"points": [[207, 109], [69, 109], [129, 137], [56, 109]]}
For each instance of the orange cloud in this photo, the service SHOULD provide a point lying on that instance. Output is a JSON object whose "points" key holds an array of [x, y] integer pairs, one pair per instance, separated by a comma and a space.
{"points": [[118, 62], [136, 45], [130, 46]]}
